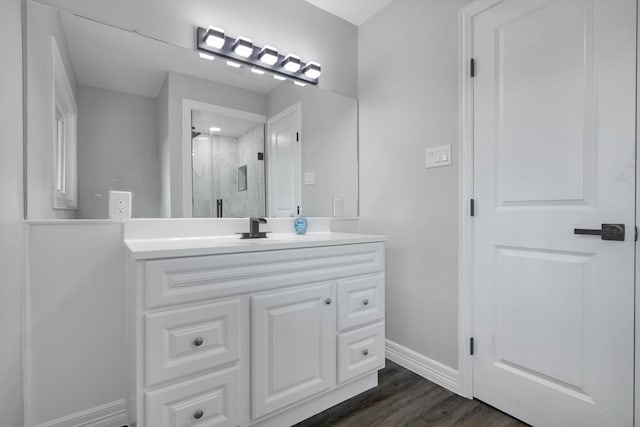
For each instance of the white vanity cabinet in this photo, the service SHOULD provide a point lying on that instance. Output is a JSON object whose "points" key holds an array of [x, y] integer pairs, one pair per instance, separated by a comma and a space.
{"points": [[261, 337]]}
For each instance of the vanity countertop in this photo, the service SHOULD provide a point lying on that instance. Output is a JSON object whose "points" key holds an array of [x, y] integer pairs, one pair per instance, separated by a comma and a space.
{"points": [[141, 249]]}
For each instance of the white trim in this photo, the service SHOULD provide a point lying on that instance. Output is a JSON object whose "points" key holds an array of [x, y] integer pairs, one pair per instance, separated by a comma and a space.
{"points": [[62, 97], [636, 384], [466, 191], [107, 415], [430, 369], [26, 327], [297, 107], [187, 106]]}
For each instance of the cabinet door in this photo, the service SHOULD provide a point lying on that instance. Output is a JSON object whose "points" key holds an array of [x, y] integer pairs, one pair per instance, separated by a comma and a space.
{"points": [[293, 339]]}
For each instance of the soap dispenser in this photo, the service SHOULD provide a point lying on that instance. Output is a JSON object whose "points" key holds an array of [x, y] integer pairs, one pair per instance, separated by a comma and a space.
{"points": [[300, 223]]}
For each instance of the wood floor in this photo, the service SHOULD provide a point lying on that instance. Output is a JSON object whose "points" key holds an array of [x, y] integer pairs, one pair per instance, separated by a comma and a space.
{"points": [[403, 398]]}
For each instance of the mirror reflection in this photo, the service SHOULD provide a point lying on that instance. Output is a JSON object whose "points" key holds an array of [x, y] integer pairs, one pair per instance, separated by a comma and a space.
{"points": [[228, 166], [110, 110]]}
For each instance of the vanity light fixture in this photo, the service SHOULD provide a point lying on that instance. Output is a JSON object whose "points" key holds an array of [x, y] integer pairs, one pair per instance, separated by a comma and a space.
{"points": [[269, 55], [214, 129], [206, 56], [214, 37], [243, 47], [312, 70], [292, 63], [213, 41]]}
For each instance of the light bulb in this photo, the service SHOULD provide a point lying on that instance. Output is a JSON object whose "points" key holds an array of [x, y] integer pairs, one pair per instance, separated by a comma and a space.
{"points": [[214, 37], [291, 63], [243, 47]]}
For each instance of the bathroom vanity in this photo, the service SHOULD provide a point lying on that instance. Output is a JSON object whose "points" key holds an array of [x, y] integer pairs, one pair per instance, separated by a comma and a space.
{"points": [[268, 332]]}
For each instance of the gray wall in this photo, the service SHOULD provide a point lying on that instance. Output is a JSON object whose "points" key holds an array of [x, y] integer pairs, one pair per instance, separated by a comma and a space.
{"points": [[162, 115], [42, 23], [291, 25], [118, 149], [11, 213], [184, 87], [329, 145], [76, 284], [408, 102]]}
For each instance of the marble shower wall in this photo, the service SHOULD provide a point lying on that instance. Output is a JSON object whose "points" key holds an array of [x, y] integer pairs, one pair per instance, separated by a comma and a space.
{"points": [[216, 161], [252, 201]]}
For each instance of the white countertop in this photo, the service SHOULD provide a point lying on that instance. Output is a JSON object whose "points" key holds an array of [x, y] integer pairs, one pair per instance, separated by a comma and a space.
{"points": [[213, 245]]}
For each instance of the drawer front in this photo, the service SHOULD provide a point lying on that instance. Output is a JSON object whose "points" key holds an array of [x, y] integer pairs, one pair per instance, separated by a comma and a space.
{"points": [[360, 301], [210, 400], [182, 280], [187, 340], [360, 351]]}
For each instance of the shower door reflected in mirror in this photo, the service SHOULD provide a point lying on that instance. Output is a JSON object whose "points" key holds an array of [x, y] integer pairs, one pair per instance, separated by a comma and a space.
{"points": [[224, 151]]}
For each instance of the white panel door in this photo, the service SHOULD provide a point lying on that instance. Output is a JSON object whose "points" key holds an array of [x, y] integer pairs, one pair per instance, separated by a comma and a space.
{"points": [[293, 346], [284, 163], [554, 125]]}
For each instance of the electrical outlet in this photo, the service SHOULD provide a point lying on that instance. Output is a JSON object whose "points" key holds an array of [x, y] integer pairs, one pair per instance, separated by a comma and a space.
{"points": [[119, 204]]}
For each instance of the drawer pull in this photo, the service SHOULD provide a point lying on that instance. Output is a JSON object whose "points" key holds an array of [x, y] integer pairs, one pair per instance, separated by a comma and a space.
{"points": [[365, 302], [198, 341], [365, 352], [198, 414], [327, 301]]}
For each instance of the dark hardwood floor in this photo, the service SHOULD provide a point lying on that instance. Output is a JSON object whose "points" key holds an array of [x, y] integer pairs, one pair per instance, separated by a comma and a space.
{"points": [[403, 398]]}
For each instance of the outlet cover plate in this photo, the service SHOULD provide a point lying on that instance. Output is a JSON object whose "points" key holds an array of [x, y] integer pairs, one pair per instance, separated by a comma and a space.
{"points": [[119, 204]]}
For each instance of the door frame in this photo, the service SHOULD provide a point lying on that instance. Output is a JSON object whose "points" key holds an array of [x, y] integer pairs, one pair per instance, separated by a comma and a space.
{"points": [[466, 230], [466, 16], [297, 107]]}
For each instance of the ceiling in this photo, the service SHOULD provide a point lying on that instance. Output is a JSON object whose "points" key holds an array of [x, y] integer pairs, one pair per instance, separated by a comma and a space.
{"points": [[354, 11]]}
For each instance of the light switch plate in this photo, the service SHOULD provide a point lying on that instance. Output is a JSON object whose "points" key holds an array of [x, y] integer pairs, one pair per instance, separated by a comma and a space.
{"points": [[338, 207], [119, 204], [438, 156], [309, 178]]}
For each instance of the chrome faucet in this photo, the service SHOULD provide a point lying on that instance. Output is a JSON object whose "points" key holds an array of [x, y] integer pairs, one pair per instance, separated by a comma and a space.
{"points": [[254, 229]]}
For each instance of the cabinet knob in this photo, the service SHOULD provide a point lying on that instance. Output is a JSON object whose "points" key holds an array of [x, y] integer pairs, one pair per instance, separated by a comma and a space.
{"points": [[327, 301], [198, 341], [198, 414], [365, 352], [365, 302]]}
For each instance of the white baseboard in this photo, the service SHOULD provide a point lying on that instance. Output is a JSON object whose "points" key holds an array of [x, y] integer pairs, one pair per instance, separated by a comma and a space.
{"points": [[427, 368], [112, 414]]}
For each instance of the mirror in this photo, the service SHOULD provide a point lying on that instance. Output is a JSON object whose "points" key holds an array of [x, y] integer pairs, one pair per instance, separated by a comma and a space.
{"points": [[227, 165], [118, 111]]}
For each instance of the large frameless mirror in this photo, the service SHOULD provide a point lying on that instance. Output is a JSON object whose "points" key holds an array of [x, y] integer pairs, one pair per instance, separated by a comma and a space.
{"points": [[186, 136]]}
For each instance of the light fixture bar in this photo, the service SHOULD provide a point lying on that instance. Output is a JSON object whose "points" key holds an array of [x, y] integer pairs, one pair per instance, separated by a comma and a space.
{"points": [[214, 41]]}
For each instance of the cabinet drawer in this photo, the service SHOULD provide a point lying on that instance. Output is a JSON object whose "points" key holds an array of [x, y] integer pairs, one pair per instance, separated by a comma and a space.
{"points": [[209, 400], [360, 301], [187, 340], [360, 351], [193, 279]]}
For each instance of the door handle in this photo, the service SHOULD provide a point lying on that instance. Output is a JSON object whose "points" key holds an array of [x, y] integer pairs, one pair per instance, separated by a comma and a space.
{"points": [[607, 232]]}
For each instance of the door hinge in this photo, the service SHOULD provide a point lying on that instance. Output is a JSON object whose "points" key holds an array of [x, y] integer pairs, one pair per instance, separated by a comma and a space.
{"points": [[471, 345], [297, 136], [472, 67], [636, 233], [472, 207]]}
